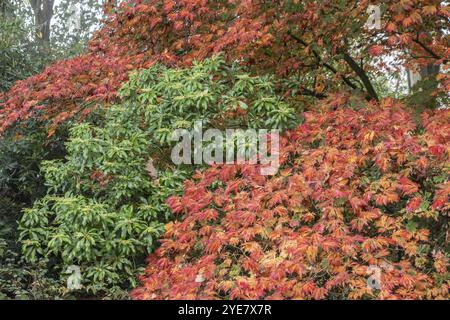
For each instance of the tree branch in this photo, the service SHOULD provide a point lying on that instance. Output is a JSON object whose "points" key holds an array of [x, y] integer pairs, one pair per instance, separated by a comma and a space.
{"points": [[428, 50], [308, 92], [362, 75], [347, 80]]}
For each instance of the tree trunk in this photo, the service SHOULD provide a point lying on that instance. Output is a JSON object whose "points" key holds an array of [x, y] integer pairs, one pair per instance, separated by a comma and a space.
{"points": [[4, 7], [43, 14]]}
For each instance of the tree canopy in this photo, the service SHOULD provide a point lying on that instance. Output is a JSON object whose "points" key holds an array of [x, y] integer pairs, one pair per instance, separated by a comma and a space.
{"points": [[323, 46]]}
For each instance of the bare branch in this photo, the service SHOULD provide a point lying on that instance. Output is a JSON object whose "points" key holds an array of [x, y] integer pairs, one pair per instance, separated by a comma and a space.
{"points": [[362, 75]]}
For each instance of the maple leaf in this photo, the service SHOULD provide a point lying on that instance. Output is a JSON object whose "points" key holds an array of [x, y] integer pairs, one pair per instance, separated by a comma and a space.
{"points": [[376, 50], [429, 10], [407, 186], [438, 150], [414, 204], [391, 27]]}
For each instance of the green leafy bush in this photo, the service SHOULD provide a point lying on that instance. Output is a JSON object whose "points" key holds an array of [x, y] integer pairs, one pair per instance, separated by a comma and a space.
{"points": [[22, 149], [220, 95], [106, 203]]}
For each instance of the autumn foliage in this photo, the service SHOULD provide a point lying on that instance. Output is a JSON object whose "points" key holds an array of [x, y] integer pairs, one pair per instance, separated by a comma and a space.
{"points": [[314, 38], [363, 183], [360, 187]]}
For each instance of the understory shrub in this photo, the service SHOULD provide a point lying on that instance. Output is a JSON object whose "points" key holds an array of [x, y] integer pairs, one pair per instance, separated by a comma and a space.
{"points": [[22, 149], [21, 280], [360, 188], [106, 204]]}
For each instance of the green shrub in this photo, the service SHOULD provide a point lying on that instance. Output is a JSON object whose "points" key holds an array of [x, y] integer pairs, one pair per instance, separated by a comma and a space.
{"points": [[22, 149], [106, 203]]}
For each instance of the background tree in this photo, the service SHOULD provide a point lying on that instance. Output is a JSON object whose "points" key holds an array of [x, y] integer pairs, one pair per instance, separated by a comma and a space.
{"points": [[17, 51], [74, 23], [43, 14], [3, 6]]}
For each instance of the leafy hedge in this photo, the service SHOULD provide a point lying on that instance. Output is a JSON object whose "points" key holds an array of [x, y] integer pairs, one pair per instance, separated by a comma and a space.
{"points": [[361, 187]]}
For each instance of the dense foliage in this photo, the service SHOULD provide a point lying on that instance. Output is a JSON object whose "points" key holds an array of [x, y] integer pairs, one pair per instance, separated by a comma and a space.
{"points": [[20, 280], [86, 145], [21, 183], [25, 145], [361, 186], [106, 203], [323, 45]]}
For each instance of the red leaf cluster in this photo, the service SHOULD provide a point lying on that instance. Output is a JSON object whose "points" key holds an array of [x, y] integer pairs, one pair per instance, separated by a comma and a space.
{"points": [[350, 182], [264, 34]]}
